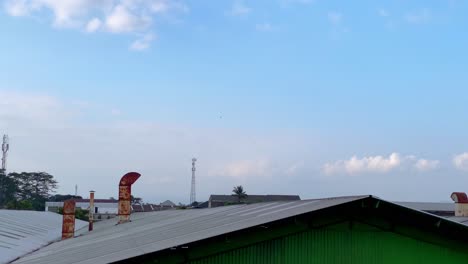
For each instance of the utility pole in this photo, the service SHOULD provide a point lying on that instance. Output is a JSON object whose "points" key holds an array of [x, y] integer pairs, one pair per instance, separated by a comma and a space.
{"points": [[192, 192], [5, 148]]}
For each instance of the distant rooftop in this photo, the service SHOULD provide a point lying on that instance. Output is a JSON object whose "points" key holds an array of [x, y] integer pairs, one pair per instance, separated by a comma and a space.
{"points": [[441, 208], [168, 203], [254, 198], [87, 201], [97, 201]]}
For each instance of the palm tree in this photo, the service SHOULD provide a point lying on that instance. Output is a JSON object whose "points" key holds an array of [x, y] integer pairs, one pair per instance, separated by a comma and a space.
{"points": [[239, 192]]}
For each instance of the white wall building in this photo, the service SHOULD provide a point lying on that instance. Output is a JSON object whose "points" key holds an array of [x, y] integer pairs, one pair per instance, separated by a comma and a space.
{"points": [[101, 206]]}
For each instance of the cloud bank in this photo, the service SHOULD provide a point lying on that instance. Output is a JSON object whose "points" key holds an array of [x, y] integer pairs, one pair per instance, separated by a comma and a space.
{"points": [[460, 161], [57, 136], [378, 164], [112, 16]]}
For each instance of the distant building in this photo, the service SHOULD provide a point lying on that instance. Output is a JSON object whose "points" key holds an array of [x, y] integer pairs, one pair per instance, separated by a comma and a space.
{"points": [[336, 230], [137, 208], [101, 206], [168, 204], [202, 205], [105, 208], [222, 200]]}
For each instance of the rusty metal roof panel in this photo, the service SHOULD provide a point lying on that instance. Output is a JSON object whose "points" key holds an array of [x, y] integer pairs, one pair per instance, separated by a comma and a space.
{"points": [[155, 231], [22, 232]]}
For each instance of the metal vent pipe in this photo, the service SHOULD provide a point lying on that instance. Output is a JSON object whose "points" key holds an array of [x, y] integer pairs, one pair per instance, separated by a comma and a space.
{"points": [[125, 192], [68, 224], [91, 210]]}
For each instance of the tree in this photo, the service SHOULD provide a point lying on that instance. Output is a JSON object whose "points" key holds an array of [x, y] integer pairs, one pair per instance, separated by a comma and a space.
{"points": [[8, 189], [26, 190], [135, 200], [63, 197], [20, 205], [239, 192]]}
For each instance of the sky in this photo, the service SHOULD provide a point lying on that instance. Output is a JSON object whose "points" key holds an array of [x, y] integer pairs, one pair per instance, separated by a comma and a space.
{"points": [[309, 97]]}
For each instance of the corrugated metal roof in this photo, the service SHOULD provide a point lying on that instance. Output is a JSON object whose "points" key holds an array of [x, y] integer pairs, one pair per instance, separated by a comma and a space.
{"points": [[254, 198], [22, 232], [155, 231], [429, 207], [459, 219]]}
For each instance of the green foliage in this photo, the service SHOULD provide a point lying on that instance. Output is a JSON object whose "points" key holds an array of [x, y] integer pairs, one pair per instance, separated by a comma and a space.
{"points": [[82, 214], [239, 192], [63, 197], [8, 189], [20, 205], [79, 213], [25, 190]]}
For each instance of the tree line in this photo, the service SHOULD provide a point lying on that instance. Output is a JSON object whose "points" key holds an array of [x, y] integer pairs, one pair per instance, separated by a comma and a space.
{"points": [[26, 190]]}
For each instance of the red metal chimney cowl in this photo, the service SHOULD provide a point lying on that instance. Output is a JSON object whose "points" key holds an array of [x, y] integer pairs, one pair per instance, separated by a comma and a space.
{"points": [[459, 197], [68, 225], [125, 192]]}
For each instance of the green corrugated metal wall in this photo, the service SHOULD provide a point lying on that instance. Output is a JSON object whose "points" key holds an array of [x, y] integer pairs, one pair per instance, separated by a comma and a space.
{"points": [[341, 244]]}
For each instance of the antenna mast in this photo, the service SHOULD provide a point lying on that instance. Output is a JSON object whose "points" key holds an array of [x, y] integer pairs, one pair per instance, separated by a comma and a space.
{"points": [[5, 148], [192, 192]]}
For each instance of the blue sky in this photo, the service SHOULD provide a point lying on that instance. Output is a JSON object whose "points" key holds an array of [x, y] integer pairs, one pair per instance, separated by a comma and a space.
{"points": [[276, 95]]}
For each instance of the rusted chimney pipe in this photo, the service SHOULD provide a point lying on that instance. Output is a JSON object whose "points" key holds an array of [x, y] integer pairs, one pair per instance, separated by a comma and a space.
{"points": [[125, 192], [68, 225], [91, 210], [461, 203]]}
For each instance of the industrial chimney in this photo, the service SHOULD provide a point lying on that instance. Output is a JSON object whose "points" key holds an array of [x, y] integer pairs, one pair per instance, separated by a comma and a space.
{"points": [[68, 224], [91, 210], [125, 192], [461, 203]]}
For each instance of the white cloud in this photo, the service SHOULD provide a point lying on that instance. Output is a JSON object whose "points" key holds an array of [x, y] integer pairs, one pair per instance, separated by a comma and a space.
{"points": [[426, 165], [246, 168], [460, 161], [123, 20], [239, 9], [419, 17], [383, 13], [93, 25], [335, 18], [264, 27], [142, 43], [115, 112], [285, 3], [380, 164], [164, 6], [294, 168], [18, 7], [67, 13], [116, 16], [357, 165], [29, 108], [54, 135]]}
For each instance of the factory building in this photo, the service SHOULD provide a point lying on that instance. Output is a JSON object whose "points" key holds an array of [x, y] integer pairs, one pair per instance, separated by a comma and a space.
{"points": [[356, 229]]}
